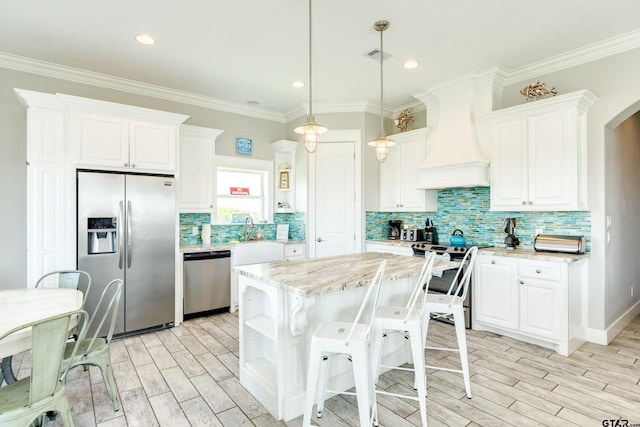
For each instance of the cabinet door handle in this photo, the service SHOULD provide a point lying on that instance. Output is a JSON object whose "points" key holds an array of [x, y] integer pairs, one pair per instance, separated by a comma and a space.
{"points": [[319, 239], [493, 261], [126, 164], [133, 165], [530, 202], [524, 202], [522, 282], [538, 271]]}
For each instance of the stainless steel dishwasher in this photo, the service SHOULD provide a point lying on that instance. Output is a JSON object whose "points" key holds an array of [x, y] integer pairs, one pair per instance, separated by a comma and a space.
{"points": [[207, 277]]}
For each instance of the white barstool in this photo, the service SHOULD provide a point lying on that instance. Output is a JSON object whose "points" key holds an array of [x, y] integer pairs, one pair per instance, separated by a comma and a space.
{"points": [[450, 304], [406, 320], [352, 340]]}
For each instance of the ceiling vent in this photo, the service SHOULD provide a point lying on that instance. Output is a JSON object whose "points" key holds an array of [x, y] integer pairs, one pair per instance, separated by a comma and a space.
{"points": [[375, 54]]}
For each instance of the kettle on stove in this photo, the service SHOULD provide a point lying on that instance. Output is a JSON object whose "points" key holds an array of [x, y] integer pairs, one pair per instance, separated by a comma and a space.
{"points": [[457, 238]]}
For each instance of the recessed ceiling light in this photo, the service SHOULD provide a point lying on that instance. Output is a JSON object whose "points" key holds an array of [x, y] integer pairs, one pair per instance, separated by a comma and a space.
{"points": [[145, 39], [411, 64], [297, 83]]}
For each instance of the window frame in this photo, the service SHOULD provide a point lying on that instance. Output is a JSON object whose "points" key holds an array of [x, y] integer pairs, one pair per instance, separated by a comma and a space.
{"points": [[252, 165]]}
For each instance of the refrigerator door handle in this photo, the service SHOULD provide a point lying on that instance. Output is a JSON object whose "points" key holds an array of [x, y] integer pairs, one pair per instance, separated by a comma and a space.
{"points": [[129, 233], [120, 234]]}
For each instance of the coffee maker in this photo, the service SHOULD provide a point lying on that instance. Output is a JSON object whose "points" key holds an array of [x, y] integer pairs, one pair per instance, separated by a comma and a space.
{"points": [[430, 234], [511, 241], [395, 226]]}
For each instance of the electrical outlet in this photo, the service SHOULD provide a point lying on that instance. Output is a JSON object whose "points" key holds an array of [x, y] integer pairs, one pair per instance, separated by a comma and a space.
{"points": [[194, 231], [539, 231]]}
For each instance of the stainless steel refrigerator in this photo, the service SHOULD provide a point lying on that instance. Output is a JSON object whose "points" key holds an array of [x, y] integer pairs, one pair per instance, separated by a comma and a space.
{"points": [[126, 230]]}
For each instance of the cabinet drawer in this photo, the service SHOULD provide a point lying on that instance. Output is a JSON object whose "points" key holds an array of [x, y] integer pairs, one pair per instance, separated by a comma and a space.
{"points": [[293, 250], [543, 271]]}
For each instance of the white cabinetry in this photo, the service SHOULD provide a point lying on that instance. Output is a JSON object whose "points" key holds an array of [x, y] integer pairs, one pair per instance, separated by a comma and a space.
{"points": [[294, 251], [285, 179], [536, 301], [59, 127], [197, 171], [399, 176], [538, 160]]}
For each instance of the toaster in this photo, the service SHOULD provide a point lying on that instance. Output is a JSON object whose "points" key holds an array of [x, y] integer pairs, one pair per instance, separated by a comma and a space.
{"points": [[412, 234]]}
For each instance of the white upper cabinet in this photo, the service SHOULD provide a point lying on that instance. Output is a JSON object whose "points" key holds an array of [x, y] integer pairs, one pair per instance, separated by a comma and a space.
{"points": [[114, 136], [197, 171], [538, 160], [399, 176]]}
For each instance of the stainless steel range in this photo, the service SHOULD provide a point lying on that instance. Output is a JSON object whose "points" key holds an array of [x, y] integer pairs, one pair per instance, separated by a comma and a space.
{"points": [[442, 284]]}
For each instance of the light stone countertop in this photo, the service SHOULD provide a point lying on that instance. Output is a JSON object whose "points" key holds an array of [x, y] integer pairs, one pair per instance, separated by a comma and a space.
{"points": [[317, 276], [231, 245], [532, 254], [392, 242]]}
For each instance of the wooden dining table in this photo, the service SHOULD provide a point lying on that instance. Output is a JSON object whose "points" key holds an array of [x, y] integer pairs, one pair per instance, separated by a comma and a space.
{"points": [[25, 305]]}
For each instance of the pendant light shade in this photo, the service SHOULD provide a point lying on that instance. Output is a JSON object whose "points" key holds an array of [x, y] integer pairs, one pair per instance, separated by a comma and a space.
{"points": [[381, 143], [310, 130]]}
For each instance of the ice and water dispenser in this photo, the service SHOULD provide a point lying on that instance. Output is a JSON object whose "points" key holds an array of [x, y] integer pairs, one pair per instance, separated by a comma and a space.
{"points": [[101, 235]]}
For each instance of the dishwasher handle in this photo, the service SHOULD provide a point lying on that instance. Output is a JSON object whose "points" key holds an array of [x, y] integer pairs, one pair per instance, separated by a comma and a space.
{"points": [[196, 256]]}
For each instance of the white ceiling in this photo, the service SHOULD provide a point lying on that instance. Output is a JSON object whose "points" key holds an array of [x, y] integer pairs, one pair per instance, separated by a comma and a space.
{"points": [[252, 50]]}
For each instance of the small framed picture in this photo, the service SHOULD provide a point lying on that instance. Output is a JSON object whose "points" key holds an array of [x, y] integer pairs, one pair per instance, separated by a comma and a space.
{"points": [[244, 146], [284, 180]]}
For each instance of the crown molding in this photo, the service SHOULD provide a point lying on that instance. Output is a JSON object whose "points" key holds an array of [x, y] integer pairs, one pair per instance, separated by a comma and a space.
{"points": [[595, 51], [48, 69], [592, 52]]}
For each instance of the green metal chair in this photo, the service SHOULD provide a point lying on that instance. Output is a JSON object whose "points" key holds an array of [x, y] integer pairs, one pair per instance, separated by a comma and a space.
{"points": [[27, 400], [71, 279], [95, 350]]}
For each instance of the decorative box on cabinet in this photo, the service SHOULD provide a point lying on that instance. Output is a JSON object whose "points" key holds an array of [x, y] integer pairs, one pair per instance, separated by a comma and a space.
{"points": [[197, 171], [284, 180], [542, 302], [399, 176], [538, 160]]}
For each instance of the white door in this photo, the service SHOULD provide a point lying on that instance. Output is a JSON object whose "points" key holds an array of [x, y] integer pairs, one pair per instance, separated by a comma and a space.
{"points": [[335, 212]]}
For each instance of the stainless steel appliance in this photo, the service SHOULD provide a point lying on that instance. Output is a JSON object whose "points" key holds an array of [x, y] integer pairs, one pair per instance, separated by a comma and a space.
{"points": [[511, 241], [393, 232], [412, 234], [556, 243], [442, 284], [126, 230], [207, 282]]}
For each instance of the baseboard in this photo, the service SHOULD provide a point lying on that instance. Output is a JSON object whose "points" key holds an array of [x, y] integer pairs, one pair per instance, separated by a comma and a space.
{"points": [[604, 337]]}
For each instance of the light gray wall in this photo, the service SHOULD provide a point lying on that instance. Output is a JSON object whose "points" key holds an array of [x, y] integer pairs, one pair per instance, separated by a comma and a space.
{"points": [[614, 80]]}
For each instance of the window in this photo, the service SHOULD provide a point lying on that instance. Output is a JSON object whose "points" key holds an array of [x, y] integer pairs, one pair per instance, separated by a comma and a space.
{"points": [[243, 189]]}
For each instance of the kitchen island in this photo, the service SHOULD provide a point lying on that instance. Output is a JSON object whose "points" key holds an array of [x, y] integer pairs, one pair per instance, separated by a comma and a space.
{"points": [[282, 304]]}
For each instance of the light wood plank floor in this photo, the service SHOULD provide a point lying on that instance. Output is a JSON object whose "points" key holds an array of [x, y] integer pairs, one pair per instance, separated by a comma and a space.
{"points": [[188, 376]]}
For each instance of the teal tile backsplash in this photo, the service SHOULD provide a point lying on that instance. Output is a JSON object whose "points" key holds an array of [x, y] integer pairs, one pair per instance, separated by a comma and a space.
{"points": [[463, 208], [468, 210], [226, 233]]}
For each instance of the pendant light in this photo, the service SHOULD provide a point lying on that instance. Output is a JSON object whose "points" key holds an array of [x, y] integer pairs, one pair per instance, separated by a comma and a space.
{"points": [[381, 143], [310, 130]]}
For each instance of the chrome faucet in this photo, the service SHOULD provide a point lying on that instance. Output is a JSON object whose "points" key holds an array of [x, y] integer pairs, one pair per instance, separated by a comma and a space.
{"points": [[247, 229]]}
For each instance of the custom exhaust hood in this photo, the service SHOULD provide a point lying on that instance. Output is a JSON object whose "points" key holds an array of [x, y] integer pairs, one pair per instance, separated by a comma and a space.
{"points": [[458, 143]]}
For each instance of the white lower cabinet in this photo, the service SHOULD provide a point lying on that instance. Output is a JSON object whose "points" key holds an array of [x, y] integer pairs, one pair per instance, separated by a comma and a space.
{"points": [[536, 301], [390, 249], [293, 251]]}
